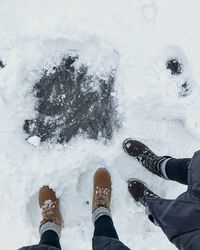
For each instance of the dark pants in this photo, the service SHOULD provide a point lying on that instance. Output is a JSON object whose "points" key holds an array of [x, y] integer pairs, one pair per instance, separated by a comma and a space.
{"points": [[104, 227], [177, 170], [50, 238]]}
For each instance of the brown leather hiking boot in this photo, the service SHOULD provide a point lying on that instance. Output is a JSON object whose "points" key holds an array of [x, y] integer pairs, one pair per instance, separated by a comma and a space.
{"points": [[145, 156], [50, 207], [102, 189]]}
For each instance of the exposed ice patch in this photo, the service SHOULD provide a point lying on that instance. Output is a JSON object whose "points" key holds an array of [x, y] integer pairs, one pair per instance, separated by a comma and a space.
{"points": [[74, 99]]}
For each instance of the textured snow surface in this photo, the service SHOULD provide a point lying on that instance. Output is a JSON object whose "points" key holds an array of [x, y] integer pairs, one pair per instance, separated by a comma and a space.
{"points": [[144, 33]]}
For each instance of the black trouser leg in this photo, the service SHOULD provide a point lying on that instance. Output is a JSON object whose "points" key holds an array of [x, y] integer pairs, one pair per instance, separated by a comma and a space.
{"points": [[104, 227], [177, 170], [50, 238]]}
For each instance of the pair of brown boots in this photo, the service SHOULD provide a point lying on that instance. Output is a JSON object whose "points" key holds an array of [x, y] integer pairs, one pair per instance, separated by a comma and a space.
{"points": [[50, 204]]}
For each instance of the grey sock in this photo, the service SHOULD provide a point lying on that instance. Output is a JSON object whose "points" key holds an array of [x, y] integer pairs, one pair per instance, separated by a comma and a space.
{"points": [[100, 211], [50, 226], [163, 168]]}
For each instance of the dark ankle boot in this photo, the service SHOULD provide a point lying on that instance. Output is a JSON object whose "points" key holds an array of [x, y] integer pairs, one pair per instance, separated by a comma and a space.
{"points": [[140, 192], [145, 156]]}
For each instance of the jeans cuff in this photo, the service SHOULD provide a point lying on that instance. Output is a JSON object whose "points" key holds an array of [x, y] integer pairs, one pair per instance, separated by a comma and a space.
{"points": [[150, 216], [100, 211], [50, 226]]}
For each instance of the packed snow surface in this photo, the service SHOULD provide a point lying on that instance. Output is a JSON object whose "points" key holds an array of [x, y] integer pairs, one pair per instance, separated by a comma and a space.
{"points": [[144, 34]]}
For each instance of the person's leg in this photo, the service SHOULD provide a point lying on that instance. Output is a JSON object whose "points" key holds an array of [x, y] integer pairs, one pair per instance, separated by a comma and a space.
{"points": [[142, 194], [50, 238], [104, 227], [165, 167], [51, 224], [101, 214], [144, 155], [177, 169]]}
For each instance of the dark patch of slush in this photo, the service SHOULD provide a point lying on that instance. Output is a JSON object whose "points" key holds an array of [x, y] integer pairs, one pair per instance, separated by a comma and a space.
{"points": [[176, 68], [70, 101], [1, 64]]}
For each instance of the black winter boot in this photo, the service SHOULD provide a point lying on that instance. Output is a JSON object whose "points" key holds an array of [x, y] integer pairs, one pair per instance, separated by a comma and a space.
{"points": [[140, 192], [145, 156]]}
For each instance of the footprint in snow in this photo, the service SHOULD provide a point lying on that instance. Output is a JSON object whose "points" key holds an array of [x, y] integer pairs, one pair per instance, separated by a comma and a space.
{"points": [[149, 11], [1, 64], [178, 67]]}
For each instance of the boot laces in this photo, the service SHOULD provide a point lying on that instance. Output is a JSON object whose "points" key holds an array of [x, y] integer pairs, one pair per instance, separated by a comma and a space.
{"points": [[148, 194], [103, 196], [149, 160], [49, 212]]}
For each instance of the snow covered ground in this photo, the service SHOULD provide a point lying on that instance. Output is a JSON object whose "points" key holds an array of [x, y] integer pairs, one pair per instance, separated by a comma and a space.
{"points": [[144, 33]]}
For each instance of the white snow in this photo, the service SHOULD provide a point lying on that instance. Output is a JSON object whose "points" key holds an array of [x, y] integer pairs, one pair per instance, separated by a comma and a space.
{"points": [[34, 140], [141, 34]]}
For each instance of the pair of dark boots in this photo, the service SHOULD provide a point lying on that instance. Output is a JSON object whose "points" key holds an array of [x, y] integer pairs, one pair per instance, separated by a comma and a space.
{"points": [[149, 160]]}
